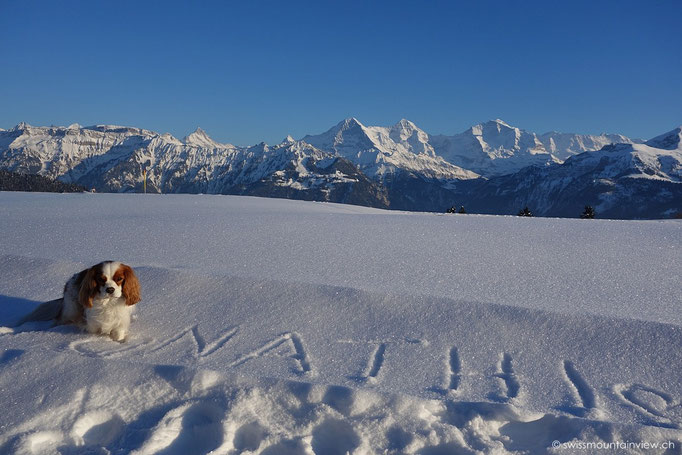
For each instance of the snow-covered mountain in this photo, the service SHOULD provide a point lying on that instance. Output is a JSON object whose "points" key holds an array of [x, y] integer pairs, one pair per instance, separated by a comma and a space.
{"points": [[619, 181], [199, 138], [565, 145], [400, 158], [492, 167], [672, 140], [497, 148], [380, 152], [493, 148], [112, 158], [68, 153]]}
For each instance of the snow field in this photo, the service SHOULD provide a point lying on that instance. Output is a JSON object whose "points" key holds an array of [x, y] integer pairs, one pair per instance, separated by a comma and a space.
{"points": [[288, 327]]}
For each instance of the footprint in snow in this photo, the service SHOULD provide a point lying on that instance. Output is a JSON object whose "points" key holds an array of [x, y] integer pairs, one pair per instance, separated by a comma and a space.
{"points": [[191, 428], [334, 437], [97, 428], [38, 443], [288, 447], [249, 437]]}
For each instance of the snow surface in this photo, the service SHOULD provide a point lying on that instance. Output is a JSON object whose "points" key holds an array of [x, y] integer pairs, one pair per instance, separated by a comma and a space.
{"points": [[287, 327]]}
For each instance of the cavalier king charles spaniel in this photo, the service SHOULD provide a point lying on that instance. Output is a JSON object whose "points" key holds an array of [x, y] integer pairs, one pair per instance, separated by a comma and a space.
{"points": [[101, 299]]}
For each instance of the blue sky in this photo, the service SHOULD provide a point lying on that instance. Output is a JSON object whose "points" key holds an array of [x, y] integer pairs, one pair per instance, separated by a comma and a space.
{"points": [[256, 71]]}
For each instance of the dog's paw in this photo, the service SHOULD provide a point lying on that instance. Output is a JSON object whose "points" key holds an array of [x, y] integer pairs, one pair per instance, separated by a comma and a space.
{"points": [[118, 335]]}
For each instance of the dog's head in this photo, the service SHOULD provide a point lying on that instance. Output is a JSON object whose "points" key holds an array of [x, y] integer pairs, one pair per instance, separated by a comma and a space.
{"points": [[108, 280]]}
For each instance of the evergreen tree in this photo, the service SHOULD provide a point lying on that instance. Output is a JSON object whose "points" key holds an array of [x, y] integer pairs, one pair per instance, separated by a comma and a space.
{"points": [[525, 212], [588, 213]]}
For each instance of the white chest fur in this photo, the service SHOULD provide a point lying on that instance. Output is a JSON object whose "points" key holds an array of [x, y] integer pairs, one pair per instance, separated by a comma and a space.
{"points": [[109, 317]]}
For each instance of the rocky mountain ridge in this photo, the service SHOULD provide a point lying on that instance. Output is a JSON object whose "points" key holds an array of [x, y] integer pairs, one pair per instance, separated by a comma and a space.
{"points": [[399, 167]]}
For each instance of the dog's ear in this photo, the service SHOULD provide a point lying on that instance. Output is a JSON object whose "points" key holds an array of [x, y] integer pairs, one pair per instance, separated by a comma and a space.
{"points": [[88, 287], [131, 285]]}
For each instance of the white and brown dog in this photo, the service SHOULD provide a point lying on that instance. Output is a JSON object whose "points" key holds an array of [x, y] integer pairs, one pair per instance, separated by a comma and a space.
{"points": [[99, 299]]}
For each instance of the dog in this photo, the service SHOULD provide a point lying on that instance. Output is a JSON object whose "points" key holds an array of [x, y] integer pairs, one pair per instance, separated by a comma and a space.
{"points": [[99, 299]]}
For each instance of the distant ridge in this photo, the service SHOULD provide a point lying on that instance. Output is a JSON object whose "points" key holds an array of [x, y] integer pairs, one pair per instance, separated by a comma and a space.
{"points": [[492, 167]]}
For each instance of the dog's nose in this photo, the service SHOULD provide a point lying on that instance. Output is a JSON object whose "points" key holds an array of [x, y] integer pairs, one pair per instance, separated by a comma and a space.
{"points": [[110, 290]]}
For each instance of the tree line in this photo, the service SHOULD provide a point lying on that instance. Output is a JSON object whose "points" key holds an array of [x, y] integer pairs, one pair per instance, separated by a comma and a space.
{"points": [[588, 213], [15, 181]]}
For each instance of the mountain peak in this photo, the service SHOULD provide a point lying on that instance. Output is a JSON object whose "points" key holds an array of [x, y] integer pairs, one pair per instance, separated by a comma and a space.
{"points": [[169, 138], [350, 123], [21, 126], [406, 130], [672, 140], [491, 127], [498, 123], [288, 139], [199, 138], [405, 124]]}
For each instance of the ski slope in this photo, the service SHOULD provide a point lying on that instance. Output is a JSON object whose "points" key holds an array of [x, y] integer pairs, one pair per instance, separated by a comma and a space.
{"points": [[286, 327]]}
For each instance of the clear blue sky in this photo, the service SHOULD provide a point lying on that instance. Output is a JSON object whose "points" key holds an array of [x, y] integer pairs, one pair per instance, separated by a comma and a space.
{"points": [[254, 71]]}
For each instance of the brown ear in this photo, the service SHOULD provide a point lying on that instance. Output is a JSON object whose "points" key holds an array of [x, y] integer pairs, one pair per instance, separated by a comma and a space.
{"points": [[87, 290], [131, 286]]}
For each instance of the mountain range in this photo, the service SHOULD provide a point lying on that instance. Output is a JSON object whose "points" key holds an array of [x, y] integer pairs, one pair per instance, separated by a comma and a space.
{"points": [[489, 168]]}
